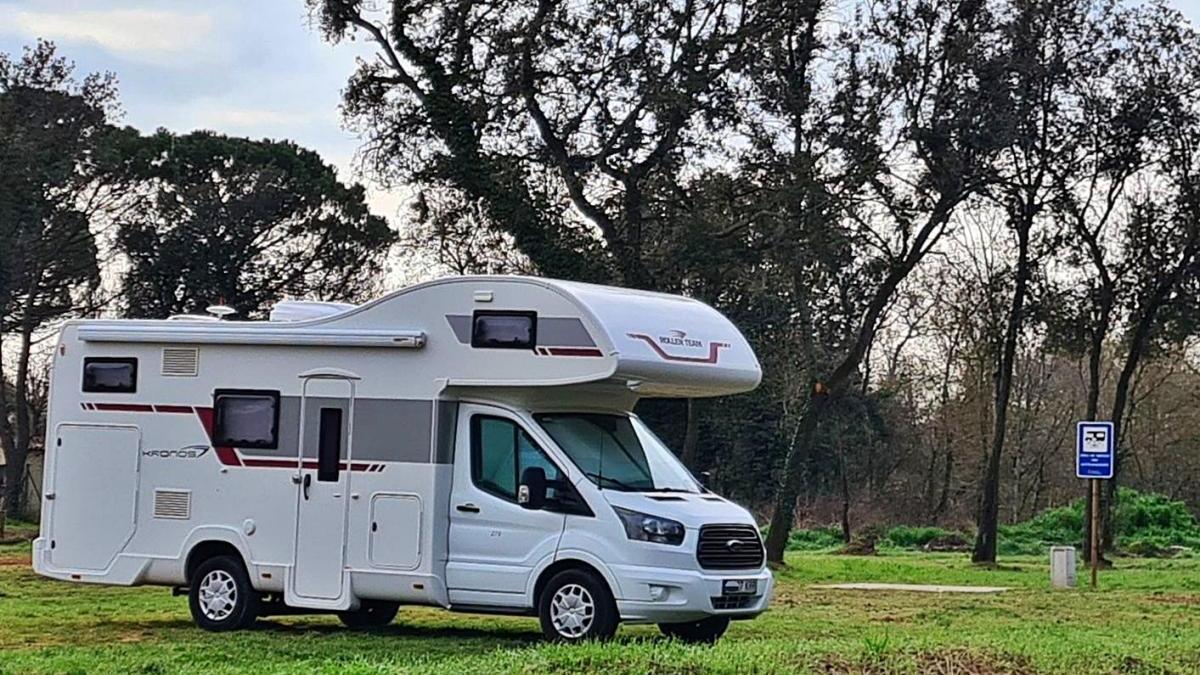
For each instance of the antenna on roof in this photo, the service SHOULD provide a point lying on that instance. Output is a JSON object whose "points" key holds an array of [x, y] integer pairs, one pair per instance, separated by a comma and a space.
{"points": [[220, 311]]}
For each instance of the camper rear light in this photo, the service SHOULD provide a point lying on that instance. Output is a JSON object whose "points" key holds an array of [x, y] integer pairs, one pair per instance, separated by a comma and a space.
{"points": [[645, 527]]}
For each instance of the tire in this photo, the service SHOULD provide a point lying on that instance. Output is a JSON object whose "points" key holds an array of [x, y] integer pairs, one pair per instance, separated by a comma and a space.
{"points": [[221, 597], [705, 631], [370, 614], [576, 605]]}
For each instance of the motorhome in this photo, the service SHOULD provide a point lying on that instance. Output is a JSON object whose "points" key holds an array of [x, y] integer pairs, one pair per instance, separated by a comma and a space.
{"points": [[468, 443]]}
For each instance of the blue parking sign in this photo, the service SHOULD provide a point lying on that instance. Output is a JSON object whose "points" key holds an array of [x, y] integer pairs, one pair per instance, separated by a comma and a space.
{"points": [[1094, 450]]}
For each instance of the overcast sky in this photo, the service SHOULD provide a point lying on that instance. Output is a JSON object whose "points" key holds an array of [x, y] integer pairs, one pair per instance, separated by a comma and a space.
{"points": [[254, 69]]}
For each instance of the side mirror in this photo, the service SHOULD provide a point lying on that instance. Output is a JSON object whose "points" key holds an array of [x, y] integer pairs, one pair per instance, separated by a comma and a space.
{"points": [[532, 492]]}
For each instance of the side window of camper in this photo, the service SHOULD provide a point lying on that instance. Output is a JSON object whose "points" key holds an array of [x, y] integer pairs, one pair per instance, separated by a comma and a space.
{"points": [[246, 418], [110, 374], [491, 329], [500, 451]]}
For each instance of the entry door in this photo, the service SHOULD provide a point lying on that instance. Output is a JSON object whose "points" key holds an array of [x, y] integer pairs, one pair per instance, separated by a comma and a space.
{"points": [[323, 488], [93, 502], [494, 542]]}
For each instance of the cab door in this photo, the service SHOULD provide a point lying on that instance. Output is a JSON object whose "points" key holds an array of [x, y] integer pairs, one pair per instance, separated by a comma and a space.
{"points": [[495, 544]]}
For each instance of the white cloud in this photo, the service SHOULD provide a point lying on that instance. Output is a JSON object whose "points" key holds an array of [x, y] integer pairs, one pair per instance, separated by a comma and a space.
{"points": [[258, 119], [131, 32]]}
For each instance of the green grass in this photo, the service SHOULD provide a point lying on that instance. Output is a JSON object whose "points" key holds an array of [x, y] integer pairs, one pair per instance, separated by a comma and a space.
{"points": [[1146, 619]]}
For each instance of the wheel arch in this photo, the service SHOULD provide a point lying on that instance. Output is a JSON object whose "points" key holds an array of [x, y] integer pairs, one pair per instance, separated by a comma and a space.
{"points": [[207, 549], [569, 563]]}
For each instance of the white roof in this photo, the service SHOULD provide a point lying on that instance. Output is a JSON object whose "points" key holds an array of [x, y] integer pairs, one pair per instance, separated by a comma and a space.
{"points": [[655, 344]]}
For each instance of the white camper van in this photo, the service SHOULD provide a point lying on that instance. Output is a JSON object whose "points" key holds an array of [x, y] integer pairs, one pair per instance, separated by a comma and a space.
{"points": [[466, 443]]}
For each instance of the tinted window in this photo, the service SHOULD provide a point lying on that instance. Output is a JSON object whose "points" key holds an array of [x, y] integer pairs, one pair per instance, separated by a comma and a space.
{"points": [[500, 451], [504, 330], [246, 419], [104, 374], [329, 447]]}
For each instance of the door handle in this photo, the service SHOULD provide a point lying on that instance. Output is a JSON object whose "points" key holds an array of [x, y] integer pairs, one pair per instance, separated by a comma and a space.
{"points": [[468, 508], [307, 483]]}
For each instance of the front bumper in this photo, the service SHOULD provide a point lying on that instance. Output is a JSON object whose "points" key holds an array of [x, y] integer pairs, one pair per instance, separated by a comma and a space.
{"points": [[686, 595]]}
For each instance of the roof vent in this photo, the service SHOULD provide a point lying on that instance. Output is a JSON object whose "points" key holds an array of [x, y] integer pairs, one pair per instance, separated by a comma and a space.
{"points": [[180, 361]]}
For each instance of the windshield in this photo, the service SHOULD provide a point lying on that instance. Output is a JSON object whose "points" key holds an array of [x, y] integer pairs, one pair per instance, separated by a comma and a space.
{"points": [[618, 452]]}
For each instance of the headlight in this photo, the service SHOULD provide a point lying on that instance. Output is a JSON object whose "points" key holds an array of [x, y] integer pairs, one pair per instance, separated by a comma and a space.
{"points": [[644, 527]]}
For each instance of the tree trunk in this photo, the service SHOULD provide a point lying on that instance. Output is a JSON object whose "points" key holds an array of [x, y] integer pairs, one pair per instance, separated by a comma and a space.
{"points": [[793, 472], [845, 486], [5, 440], [989, 503], [1138, 344], [947, 474], [691, 437], [14, 492]]}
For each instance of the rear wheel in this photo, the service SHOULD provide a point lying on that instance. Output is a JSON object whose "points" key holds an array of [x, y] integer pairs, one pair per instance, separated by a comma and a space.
{"points": [[221, 597], [370, 614], [576, 605], [704, 631]]}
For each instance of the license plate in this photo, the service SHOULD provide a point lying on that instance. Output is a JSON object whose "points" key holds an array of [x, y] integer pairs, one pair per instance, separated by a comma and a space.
{"points": [[739, 587]]}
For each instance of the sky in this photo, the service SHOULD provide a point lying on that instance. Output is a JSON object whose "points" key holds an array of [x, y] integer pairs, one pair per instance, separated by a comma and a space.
{"points": [[245, 68], [254, 68]]}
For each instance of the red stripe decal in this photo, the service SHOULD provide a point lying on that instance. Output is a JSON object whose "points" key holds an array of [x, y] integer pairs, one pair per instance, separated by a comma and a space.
{"points": [[226, 455], [276, 463], [263, 462], [180, 409], [574, 351], [124, 407], [714, 351]]}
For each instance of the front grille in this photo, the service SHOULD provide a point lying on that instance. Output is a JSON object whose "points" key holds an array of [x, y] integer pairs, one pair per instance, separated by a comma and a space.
{"points": [[732, 601], [729, 547]]}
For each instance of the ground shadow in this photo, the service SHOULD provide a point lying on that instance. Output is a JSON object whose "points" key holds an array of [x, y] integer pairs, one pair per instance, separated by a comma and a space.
{"points": [[401, 630]]}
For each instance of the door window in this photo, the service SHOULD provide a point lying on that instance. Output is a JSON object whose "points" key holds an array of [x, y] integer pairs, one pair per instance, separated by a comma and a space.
{"points": [[329, 445], [500, 452]]}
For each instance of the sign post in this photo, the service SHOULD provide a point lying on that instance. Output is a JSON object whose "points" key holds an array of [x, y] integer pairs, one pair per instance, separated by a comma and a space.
{"points": [[1094, 455]]}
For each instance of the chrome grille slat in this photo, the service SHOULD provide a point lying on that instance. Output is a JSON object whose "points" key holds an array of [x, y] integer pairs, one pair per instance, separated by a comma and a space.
{"points": [[714, 552]]}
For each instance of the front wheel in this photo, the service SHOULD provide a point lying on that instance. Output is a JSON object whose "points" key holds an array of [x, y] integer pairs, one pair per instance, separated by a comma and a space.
{"points": [[221, 597], [704, 631], [576, 605], [370, 614]]}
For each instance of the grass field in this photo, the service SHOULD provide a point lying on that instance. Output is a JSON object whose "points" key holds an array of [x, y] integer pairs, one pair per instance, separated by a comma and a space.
{"points": [[1145, 620]]}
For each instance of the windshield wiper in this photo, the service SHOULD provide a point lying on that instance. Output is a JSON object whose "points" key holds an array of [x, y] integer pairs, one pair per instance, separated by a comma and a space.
{"points": [[614, 481]]}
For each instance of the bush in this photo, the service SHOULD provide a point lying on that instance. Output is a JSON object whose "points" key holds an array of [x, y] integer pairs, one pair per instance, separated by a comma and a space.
{"points": [[904, 536], [1062, 526], [1147, 525], [815, 539]]}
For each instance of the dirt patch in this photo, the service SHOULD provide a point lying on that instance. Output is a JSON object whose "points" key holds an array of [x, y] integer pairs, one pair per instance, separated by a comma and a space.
{"points": [[18, 560], [1190, 600], [912, 588], [941, 662]]}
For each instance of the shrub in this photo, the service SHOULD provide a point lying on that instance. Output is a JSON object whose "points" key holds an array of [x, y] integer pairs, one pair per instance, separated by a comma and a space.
{"points": [[904, 536], [815, 539], [1062, 526]]}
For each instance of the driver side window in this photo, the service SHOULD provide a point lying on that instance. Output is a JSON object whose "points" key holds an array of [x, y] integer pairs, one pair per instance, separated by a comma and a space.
{"points": [[500, 452]]}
